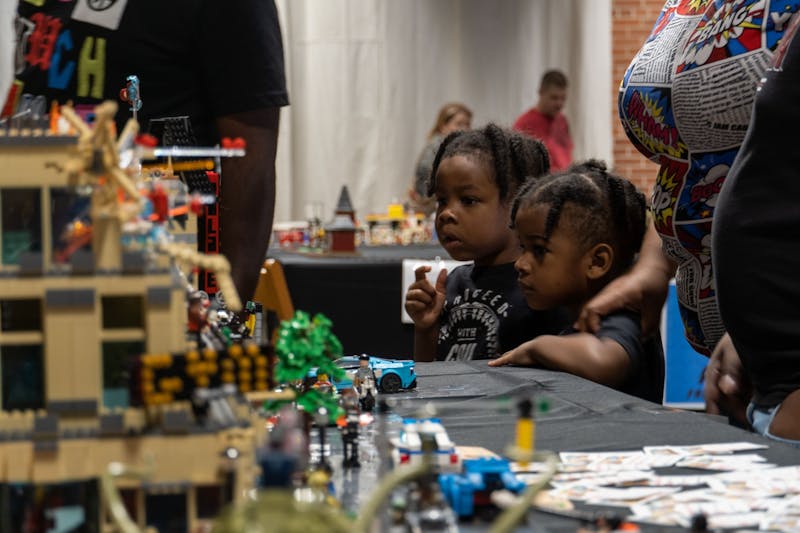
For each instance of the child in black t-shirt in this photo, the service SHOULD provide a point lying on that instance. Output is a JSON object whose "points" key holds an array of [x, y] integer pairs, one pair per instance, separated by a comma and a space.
{"points": [[579, 230], [477, 311]]}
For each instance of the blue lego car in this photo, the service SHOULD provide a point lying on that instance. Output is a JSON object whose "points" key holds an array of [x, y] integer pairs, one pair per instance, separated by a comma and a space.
{"points": [[392, 375], [472, 488]]}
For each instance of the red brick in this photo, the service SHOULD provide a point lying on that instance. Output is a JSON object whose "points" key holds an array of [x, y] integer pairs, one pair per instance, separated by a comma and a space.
{"points": [[631, 23]]}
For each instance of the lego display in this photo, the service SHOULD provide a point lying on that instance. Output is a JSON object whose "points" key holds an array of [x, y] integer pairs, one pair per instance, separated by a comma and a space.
{"points": [[341, 231], [306, 343], [344, 232], [398, 227], [341, 234], [114, 364], [92, 296], [391, 375]]}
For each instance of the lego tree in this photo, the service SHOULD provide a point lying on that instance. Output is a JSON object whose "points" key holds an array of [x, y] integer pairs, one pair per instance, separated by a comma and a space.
{"points": [[304, 344]]}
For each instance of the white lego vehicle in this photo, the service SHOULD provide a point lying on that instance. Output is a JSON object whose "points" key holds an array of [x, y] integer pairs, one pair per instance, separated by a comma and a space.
{"points": [[408, 445]]}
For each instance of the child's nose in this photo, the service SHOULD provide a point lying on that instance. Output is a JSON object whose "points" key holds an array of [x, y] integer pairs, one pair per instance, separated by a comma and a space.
{"points": [[446, 214], [520, 265]]}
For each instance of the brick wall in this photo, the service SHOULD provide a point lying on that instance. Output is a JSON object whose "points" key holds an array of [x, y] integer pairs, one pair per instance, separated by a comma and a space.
{"points": [[631, 23]]}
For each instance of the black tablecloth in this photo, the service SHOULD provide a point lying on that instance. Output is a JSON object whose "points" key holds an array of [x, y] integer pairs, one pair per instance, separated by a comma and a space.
{"points": [[361, 293], [582, 415], [472, 400]]}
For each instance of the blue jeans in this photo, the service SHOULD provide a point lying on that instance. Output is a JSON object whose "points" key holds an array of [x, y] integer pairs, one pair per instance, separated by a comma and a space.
{"points": [[761, 420]]}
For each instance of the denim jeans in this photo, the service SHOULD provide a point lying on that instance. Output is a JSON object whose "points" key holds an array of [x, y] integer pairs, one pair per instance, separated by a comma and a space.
{"points": [[761, 420]]}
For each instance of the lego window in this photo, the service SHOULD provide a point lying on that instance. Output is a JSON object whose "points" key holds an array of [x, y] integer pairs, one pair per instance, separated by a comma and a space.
{"points": [[120, 312], [166, 512], [73, 506], [21, 215], [118, 360], [21, 315], [22, 370], [210, 500], [130, 499], [70, 224]]}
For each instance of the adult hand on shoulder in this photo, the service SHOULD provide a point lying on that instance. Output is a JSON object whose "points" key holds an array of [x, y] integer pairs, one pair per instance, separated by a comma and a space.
{"points": [[727, 389], [642, 290], [424, 301], [632, 292]]}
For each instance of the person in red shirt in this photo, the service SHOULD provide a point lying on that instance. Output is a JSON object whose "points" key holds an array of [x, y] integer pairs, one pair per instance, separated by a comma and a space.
{"points": [[547, 123]]}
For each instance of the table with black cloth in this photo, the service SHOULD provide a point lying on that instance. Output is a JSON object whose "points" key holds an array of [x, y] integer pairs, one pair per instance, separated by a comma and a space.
{"points": [[583, 416], [360, 292]]}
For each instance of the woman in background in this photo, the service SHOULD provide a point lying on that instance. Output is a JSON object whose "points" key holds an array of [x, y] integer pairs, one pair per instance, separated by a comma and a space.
{"points": [[452, 117]]}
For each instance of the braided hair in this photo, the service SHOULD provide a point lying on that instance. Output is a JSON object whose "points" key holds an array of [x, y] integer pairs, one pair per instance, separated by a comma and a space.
{"points": [[513, 156], [611, 209]]}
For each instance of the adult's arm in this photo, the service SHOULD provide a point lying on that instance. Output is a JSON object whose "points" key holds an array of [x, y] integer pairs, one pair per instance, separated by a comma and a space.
{"points": [[248, 194], [642, 290]]}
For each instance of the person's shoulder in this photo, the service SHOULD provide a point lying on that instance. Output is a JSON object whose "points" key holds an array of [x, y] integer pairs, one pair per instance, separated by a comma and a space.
{"points": [[462, 271], [525, 116], [622, 318], [623, 327]]}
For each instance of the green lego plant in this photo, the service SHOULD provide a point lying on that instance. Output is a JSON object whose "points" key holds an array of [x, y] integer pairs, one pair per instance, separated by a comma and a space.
{"points": [[304, 344]]}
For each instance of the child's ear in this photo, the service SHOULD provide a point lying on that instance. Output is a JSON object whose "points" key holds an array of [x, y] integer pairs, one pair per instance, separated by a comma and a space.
{"points": [[600, 258]]}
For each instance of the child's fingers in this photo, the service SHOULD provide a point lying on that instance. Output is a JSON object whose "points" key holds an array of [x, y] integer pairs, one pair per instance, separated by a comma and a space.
{"points": [[419, 273], [505, 359], [419, 294], [413, 307], [441, 281]]}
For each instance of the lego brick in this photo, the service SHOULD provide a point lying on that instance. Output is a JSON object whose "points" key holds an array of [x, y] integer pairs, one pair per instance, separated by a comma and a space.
{"points": [[37, 140], [112, 424], [73, 407], [31, 263], [158, 296], [65, 298], [133, 262], [82, 263], [44, 426], [185, 238], [176, 422], [50, 445], [79, 433]]}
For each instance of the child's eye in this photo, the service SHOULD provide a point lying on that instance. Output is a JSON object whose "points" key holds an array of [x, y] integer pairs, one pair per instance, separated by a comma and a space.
{"points": [[440, 201], [469, 200], [538, 251]]}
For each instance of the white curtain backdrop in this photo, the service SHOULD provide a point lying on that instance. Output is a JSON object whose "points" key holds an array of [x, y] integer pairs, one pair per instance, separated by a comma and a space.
{"points": [[367, 77]]}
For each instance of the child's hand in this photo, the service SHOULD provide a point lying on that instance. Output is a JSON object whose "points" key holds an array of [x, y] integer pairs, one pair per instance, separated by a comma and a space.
{"points": [[521, 355], [424, 302]]}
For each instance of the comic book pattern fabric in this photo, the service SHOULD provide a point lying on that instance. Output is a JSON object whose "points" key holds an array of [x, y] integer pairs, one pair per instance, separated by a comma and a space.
{"points": [[685, 102]]}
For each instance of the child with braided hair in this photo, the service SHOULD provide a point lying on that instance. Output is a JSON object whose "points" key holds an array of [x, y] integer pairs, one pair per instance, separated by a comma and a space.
{"points": [[579, 230], [477, 311]]}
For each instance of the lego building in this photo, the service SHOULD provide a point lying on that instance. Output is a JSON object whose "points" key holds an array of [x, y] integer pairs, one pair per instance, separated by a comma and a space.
{"points": [[74, 317]]}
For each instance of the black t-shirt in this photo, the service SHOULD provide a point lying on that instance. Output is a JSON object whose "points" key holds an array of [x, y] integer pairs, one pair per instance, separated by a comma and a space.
{"points": [[756, 233], [646, 375], [485, 314], [198, 58]]}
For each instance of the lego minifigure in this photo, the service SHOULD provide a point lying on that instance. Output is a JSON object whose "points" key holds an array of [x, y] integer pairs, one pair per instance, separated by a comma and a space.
{"points": [[364, 383], [323, 384], [350, 429]]}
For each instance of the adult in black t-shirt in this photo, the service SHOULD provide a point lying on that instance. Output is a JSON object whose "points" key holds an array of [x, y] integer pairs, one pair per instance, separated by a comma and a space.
{"points": [[756, 245], [219, 63]]}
